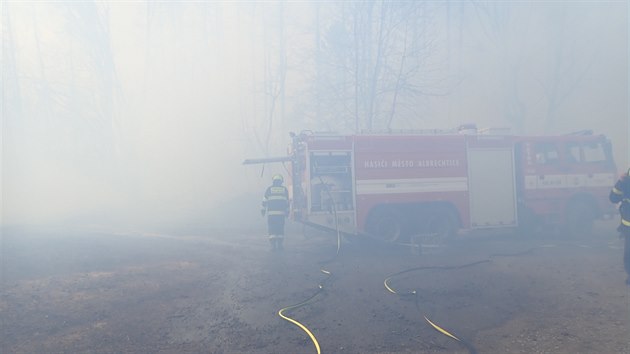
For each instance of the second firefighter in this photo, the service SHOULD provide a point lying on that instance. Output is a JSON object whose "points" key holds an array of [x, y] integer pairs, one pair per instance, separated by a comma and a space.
{"points": [[275, 205], [620, 194]]}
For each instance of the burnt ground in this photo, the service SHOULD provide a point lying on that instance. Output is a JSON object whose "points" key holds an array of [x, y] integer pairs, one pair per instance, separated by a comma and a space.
{"points": [[220, 291]]}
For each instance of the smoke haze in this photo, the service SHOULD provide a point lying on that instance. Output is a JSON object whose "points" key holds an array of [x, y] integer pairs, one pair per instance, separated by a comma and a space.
{"points": [[121, 113]]}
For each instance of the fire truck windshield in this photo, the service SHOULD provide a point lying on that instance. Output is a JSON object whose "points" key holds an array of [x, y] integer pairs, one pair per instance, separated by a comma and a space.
{"points": [[588, 152], [594, 152]]}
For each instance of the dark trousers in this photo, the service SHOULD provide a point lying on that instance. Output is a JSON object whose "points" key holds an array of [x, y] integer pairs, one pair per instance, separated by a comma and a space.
{"points": [[275, 224]]}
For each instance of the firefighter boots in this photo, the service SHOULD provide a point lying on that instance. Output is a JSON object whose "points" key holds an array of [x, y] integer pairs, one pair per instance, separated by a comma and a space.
{"points": [[279, 240], [276, 242]]}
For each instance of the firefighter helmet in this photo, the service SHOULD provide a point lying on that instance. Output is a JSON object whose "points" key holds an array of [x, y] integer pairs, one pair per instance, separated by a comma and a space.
{"points": [[277, 178]]}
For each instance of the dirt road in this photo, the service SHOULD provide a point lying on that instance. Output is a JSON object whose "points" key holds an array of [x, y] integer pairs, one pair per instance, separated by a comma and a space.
{"points": [[219, 292]]}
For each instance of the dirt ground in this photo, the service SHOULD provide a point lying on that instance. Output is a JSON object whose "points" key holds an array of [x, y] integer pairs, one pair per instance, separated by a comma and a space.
{"points": [[220, 291]]}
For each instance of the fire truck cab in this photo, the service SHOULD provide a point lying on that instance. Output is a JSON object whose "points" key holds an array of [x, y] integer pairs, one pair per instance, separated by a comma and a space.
{"points": [[392, 186]]}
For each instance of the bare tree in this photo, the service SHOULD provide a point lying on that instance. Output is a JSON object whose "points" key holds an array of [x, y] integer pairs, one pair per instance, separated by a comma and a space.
{"points": [[275, 71], [268, 81], [371, 61], [496, 21], [567, 67], [11, 96], [59, 105]]}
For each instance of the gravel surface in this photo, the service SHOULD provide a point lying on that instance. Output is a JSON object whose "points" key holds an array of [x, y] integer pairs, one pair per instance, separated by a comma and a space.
{"points": [[219, 292]]}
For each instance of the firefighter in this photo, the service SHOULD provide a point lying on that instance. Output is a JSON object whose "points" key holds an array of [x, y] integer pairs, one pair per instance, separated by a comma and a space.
{"points": [[621, 194], [275, 205]]}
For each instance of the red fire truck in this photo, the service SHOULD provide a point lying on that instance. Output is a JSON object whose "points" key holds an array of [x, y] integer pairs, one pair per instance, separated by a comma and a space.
{"points": [[392, 186]]}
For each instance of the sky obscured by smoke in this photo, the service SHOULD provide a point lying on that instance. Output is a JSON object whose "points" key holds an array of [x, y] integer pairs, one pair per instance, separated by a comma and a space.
{"points": [[142, 112]]}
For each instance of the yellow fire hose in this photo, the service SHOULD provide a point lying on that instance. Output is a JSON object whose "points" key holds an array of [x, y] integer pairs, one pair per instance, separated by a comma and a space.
{"points": [[414, 293], [320, 289], [305, 302]]}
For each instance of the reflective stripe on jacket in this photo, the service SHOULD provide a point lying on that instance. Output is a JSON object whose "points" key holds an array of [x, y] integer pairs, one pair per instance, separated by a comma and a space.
{"points": [[620, 193], [276, 200]]}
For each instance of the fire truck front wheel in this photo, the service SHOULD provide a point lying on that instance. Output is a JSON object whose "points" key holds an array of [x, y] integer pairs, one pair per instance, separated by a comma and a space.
{"points": [[579, 218], [442, 224], [385, 225]]}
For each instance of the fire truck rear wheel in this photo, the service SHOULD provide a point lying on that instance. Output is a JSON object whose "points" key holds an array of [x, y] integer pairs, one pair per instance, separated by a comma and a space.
{"points": [[442, 225], [579, 219], [386, 225], [529, 223]]}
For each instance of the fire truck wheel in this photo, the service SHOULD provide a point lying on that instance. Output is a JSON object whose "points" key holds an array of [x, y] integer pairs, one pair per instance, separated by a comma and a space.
{"points": [[442, 225], [528, 223], [579, 219], [385, 225]]}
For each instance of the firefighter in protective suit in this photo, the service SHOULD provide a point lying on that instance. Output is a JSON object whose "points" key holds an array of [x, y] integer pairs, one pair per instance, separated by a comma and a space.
{"points": [[275, 205], [621, 194]]}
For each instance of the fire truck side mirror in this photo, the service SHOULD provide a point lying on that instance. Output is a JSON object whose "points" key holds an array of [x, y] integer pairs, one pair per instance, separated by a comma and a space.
{"points": [[607, 145]]}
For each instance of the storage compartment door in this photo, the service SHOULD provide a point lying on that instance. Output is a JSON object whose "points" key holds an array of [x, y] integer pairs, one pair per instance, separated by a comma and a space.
{"points": [[492, 187]]}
